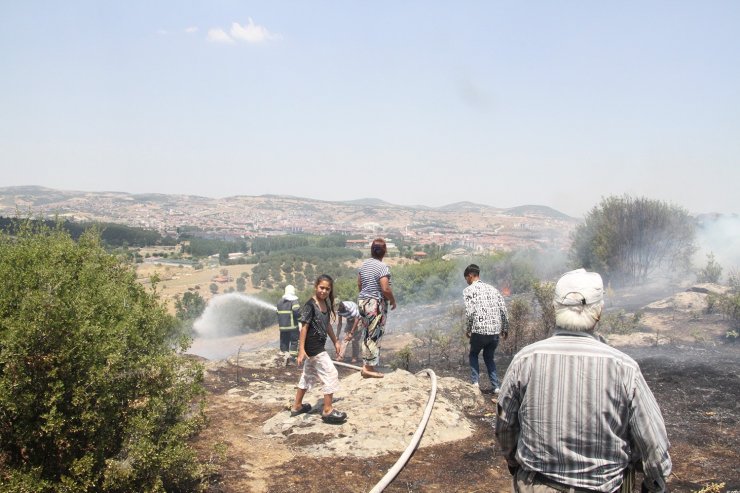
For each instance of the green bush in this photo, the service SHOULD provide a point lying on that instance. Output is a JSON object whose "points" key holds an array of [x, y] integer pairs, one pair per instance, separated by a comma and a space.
{"points": [[619, 322], [729, 306], [93, 396], [544, 292], [710, 272], [520, 311], [426, 281], [402, 359]]}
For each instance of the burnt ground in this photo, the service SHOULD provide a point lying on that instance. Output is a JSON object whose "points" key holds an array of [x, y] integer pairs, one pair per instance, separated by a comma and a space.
{"points": [[696, 385]]}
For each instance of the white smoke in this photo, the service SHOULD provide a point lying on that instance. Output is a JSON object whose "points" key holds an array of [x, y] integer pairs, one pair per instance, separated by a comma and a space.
{"points": [[225, 315], [720, 235]]}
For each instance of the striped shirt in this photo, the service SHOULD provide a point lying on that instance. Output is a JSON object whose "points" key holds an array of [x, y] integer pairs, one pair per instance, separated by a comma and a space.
{"points": [[578, 411], [485, 309], [350, 310], [371, 271]]}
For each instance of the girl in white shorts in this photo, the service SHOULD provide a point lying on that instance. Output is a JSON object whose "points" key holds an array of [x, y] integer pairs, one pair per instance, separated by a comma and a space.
{"points": [[318, 367]]}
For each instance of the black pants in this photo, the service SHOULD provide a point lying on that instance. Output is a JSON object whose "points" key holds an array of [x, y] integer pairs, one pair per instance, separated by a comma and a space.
{"points": [[289, 340]]}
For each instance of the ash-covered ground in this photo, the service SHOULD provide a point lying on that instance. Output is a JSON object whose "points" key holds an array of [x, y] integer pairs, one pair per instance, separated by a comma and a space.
{"points": [[254, 445]]}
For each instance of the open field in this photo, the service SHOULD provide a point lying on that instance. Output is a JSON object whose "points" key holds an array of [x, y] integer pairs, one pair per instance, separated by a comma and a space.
{"points": [[175, 281]]}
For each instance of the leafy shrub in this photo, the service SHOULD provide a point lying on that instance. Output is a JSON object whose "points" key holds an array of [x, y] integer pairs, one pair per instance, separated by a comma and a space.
{"points": [[520, 312], [93, 396], [712, 302], [619, 322], [402, 359], [733, 279], [710, 272], [426, 281], [544, 292], [729, 306]]}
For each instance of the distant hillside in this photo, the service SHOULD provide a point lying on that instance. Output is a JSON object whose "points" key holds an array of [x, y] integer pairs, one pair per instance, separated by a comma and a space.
{"points": [[537, 210], [465, 207], [368, 202]]}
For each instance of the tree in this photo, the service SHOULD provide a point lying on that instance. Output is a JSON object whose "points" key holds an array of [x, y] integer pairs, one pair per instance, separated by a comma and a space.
{"points": [[190, 306], [241, 284], [627, 239], [93, 396], [213, 287]]}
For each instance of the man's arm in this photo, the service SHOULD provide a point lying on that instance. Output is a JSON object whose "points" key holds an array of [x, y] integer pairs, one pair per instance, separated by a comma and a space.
{"points": [[296, 313], [302, 344], [648, 434], [504, 315], [469, 312], [507, 420], [385, 287]]}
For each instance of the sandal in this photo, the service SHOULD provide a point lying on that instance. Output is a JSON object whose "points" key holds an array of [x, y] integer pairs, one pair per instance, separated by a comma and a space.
{"points": [[334, 417], [304, 409]]}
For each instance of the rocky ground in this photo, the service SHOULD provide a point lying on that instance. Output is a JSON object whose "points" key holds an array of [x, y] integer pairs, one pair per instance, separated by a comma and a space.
{"points": [[255, 446]]}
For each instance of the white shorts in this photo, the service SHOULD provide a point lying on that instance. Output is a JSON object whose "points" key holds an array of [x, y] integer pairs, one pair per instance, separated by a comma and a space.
{"points": [[320, 369]]}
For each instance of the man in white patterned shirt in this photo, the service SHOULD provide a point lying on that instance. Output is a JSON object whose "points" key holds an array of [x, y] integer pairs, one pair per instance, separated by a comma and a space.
{"points": [[574, 413], [485, 319]]}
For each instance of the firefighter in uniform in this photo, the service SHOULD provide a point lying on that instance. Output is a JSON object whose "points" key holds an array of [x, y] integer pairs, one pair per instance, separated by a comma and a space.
{"points": [[288, 310]]}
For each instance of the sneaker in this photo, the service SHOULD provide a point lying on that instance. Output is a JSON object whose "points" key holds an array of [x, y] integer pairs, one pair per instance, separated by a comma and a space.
{"points": [[334, 417]]}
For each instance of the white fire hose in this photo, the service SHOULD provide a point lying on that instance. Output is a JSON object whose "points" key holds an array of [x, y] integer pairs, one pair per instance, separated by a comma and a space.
{"points": [[401, 462]]}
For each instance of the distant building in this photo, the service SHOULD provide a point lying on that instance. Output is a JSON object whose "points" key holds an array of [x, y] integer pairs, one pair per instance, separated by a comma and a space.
{"points": [[358, 244]]}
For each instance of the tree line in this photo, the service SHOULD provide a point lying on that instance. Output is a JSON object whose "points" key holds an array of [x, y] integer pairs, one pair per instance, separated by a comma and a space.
{"points": [[112, 234]]}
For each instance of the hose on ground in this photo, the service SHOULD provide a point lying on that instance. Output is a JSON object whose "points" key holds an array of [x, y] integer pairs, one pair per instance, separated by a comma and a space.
{"points": [[401, 462]]}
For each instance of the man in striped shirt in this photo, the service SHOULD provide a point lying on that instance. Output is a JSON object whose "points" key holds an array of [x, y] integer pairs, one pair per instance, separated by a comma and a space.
{"points": [[574, 413], [485, 319]]}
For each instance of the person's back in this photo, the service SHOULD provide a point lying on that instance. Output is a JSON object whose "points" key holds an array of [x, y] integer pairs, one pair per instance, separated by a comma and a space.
{"points": [[573, 412], [581, 394], [485, 308], [370, 273], [287, 314]]}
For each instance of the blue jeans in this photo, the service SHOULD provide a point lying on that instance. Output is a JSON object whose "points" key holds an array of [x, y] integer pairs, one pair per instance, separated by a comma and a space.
{"points": [[488, 343]]}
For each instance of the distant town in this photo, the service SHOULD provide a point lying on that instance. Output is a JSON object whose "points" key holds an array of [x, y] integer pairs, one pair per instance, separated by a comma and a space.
{"points": [[470, 226]]}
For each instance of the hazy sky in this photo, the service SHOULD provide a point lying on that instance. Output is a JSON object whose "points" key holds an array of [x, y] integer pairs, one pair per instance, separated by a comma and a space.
{"points": [[558, 103]]}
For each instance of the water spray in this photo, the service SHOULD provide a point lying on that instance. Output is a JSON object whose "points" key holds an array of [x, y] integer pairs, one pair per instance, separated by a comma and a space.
{"points": [[224, 314]]}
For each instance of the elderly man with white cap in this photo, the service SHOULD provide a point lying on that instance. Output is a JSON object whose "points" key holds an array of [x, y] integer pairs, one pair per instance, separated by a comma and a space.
{"points": [[574, 414], [288, 312]]}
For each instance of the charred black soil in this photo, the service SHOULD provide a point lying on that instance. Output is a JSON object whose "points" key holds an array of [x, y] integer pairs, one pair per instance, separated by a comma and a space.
{"points": [[697, 387]]}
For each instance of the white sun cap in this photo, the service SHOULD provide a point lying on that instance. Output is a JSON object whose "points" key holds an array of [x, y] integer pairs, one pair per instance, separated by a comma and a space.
{"points": [[579, 287]]}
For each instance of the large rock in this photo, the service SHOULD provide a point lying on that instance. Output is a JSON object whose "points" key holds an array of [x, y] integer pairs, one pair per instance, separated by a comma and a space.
{"points": [[383, 414], [710, 288]]}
